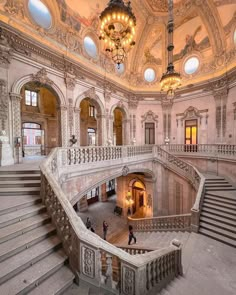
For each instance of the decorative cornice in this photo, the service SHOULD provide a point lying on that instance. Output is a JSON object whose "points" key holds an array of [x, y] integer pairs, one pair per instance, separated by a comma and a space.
{"points": [[149, 116]]}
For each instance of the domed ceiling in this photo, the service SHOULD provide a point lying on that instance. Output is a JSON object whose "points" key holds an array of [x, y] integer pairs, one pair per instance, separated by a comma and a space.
{"points": [[204, 37]]}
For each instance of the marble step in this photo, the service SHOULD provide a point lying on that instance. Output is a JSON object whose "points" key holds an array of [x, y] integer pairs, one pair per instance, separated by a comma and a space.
{"points": [[20, 172], [25, 241], [19, 262], [219, 213], [218, 224], [21, 214], [208, 181], [218, 218], [219, 231], [220, 188], [19, 191], [13, 204], [220, 208], [56, 284], [229, 196], [217, 185], [220, 204], [220, 200], [10, 177], [19, 183], [218, 237], [33, 276], [16, 229]]}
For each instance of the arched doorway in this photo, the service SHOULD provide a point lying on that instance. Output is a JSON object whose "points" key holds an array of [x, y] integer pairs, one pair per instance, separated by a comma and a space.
{"points": [[90, 123], [138, 193], [118, 127], [40, 119]]}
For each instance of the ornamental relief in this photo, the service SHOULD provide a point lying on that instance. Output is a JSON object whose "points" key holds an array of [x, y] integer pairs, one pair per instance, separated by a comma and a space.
{"points": [[192, 113], [128, 281], [149, 116], [88, 262], [3, 106]]}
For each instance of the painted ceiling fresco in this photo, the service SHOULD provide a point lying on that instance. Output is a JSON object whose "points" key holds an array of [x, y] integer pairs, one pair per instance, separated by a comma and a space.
{"points": [[204, 28]]}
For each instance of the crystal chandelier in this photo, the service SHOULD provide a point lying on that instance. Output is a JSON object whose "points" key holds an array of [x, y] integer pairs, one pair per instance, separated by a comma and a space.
{"points": [[118, 29], [170, 80]]}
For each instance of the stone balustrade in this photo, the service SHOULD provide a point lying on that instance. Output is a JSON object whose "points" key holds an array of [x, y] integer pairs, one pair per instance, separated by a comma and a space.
{"points": [[163, 223], [90, 257], [217, 150]]}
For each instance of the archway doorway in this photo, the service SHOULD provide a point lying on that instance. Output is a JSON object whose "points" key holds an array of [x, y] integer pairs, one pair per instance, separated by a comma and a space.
{"points": [[118, 127], [138, 198], [33, 143], [40, 119], [90, 123]]}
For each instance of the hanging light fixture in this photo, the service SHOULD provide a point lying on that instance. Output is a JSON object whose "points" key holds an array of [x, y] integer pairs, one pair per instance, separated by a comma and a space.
{"points": [[170, 80], [118, 29]]}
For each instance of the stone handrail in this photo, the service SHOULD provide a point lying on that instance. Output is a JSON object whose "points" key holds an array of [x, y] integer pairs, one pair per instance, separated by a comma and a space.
{"points": [[179, 166], [90, 257], [135, 250], [215, 150], [163, 223]]}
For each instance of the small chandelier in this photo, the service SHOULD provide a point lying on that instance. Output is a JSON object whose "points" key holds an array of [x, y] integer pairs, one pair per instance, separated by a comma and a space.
{"points": [[118, 29], [170, 80]]}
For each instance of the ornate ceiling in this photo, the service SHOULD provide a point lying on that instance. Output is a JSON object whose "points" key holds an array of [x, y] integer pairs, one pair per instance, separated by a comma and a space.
{"points": [[203, 29]]}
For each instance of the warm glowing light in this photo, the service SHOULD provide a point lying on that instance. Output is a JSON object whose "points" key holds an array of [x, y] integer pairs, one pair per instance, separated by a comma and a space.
{"points": [[117, 29]]}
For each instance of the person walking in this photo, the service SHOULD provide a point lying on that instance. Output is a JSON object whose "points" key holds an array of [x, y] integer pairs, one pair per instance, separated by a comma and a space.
{"points": [[131, 235], [105, 228], [88, 223]]}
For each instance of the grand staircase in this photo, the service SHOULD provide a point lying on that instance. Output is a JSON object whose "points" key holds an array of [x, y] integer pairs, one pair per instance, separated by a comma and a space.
{"points": [[218, 215], [32, 260]]}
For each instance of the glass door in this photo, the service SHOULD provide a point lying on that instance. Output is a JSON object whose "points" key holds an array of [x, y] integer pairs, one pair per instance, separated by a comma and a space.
{"points": [[191, 135]]}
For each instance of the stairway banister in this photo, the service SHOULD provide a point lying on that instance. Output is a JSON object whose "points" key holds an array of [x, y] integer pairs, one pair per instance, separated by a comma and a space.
{"points": [[73, 232]]}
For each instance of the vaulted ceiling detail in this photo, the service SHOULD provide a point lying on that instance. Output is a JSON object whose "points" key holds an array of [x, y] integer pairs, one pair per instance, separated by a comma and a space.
{"points": [[203, 29]]}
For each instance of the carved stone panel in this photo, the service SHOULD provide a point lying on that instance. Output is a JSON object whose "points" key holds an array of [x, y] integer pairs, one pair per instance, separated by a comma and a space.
{"points": [[128, 281], [88, 262], [3, 106]]}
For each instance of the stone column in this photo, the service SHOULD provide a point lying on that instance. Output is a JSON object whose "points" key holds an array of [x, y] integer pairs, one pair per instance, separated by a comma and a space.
{"points": [[101, 135], [103, 193], [133, 105], [77, 125], [166, 113], [64, 125], [6, 150], [70, 86], [16, 126], [82, 204], [220, 96]]}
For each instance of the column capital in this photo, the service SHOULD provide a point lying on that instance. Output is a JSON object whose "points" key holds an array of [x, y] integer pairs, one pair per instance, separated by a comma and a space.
{"points": [[15, 96]]}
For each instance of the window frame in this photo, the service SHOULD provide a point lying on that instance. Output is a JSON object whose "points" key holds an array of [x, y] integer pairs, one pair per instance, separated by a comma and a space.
{"points": [[153, 135], [31, 91]]}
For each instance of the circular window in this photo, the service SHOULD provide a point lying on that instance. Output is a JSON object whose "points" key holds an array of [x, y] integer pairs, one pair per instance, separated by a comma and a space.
{"points": [[149, 75], [191, 65], [120, 68], [90, 47], [40, 13]]}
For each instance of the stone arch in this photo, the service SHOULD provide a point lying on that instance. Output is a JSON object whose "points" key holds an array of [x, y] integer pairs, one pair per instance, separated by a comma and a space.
{"points": [[15, 95], [95, 99], [18, 84], [79, 195]]}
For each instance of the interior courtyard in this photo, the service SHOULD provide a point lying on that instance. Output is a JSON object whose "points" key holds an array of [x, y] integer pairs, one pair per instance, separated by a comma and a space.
{"points": [[122, 112]]}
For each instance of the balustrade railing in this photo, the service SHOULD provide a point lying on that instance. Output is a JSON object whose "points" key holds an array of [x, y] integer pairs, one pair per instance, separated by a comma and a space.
{"points": [[163, 223], [93, 259], [224, 150]]}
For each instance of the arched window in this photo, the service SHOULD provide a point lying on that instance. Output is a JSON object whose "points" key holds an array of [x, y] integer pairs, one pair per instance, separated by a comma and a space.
{"points": [[120, 68], [90, 47], [149, 75], [40, 13], [191, 65]]}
